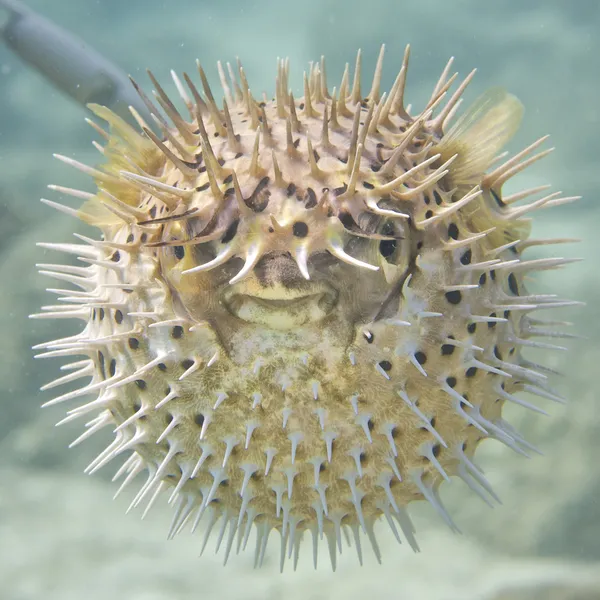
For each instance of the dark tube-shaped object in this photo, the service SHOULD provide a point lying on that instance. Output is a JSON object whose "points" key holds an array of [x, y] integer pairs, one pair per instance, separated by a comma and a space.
{"points": [[67, 61]]}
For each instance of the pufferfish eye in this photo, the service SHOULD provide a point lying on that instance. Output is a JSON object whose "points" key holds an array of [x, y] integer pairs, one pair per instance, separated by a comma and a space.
{"points": [[387, 248], [390, 248], [373, 231]]}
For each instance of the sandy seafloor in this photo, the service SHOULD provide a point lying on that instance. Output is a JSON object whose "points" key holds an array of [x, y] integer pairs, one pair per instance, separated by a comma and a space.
{"points": [[61, 535]]}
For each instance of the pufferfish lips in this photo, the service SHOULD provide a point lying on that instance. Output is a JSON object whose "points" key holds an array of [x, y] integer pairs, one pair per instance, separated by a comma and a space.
{"points": [[280, 305]]}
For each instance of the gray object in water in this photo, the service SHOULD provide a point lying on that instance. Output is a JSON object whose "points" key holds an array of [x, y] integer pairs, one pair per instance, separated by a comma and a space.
{"points": [[67, 61]]}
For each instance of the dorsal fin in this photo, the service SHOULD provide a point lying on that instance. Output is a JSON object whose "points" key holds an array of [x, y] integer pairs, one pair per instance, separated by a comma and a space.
{"points": [[479, 135]]}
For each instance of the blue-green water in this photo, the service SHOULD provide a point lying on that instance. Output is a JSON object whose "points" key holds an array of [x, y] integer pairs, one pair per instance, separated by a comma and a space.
{"points": [[62, 537]]}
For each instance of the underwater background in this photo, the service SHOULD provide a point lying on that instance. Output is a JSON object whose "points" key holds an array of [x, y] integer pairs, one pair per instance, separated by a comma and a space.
{"points": [[61, 535]]}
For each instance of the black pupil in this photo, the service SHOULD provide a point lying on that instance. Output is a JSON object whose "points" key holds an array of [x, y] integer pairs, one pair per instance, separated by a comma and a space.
{"points": [[387, 247]]}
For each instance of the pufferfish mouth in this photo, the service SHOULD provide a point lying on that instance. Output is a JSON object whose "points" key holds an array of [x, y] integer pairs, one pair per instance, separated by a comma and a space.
{"points": [[279, 307]]}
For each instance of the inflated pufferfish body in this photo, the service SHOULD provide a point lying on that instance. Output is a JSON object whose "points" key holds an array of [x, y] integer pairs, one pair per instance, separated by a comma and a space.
{"points": [[304, 314]]}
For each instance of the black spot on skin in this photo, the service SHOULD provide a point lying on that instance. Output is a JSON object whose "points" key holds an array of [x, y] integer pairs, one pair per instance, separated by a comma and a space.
{"points": [[395, 433], [228, 179], [101, 314], [429, 214], [239, 155], [202, 188], [482, 279], [230, 233], [426, 199], [141, 384], [386, 365], [436, 450], [421, 357], [465, 259], [130, 238], [187, 363], [310, 198], [453, 231], [143, 238], [291, 190], [346, 219], [493, 275], [497, 198], [259, 199], [300, 229], [471, 372], [472, 327], [447, 349], [512, 284], [179, 252], [199, 419], [177, 332], [153, 212], [368, 185], [497, 353], [451, 381], [101, 365], [112, 367], [437, 198], [116, 257], [133, 343], [161, 366], [371, 424], [339, 190], [454, 297], [369, 337], [492, 324], [118, 317]]}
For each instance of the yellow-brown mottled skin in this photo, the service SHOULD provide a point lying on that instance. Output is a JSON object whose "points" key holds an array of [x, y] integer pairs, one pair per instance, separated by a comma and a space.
{"points": [[305, 314]]}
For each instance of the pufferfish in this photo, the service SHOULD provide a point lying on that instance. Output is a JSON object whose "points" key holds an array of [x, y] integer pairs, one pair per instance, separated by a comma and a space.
{"points": [[303, 314]]}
